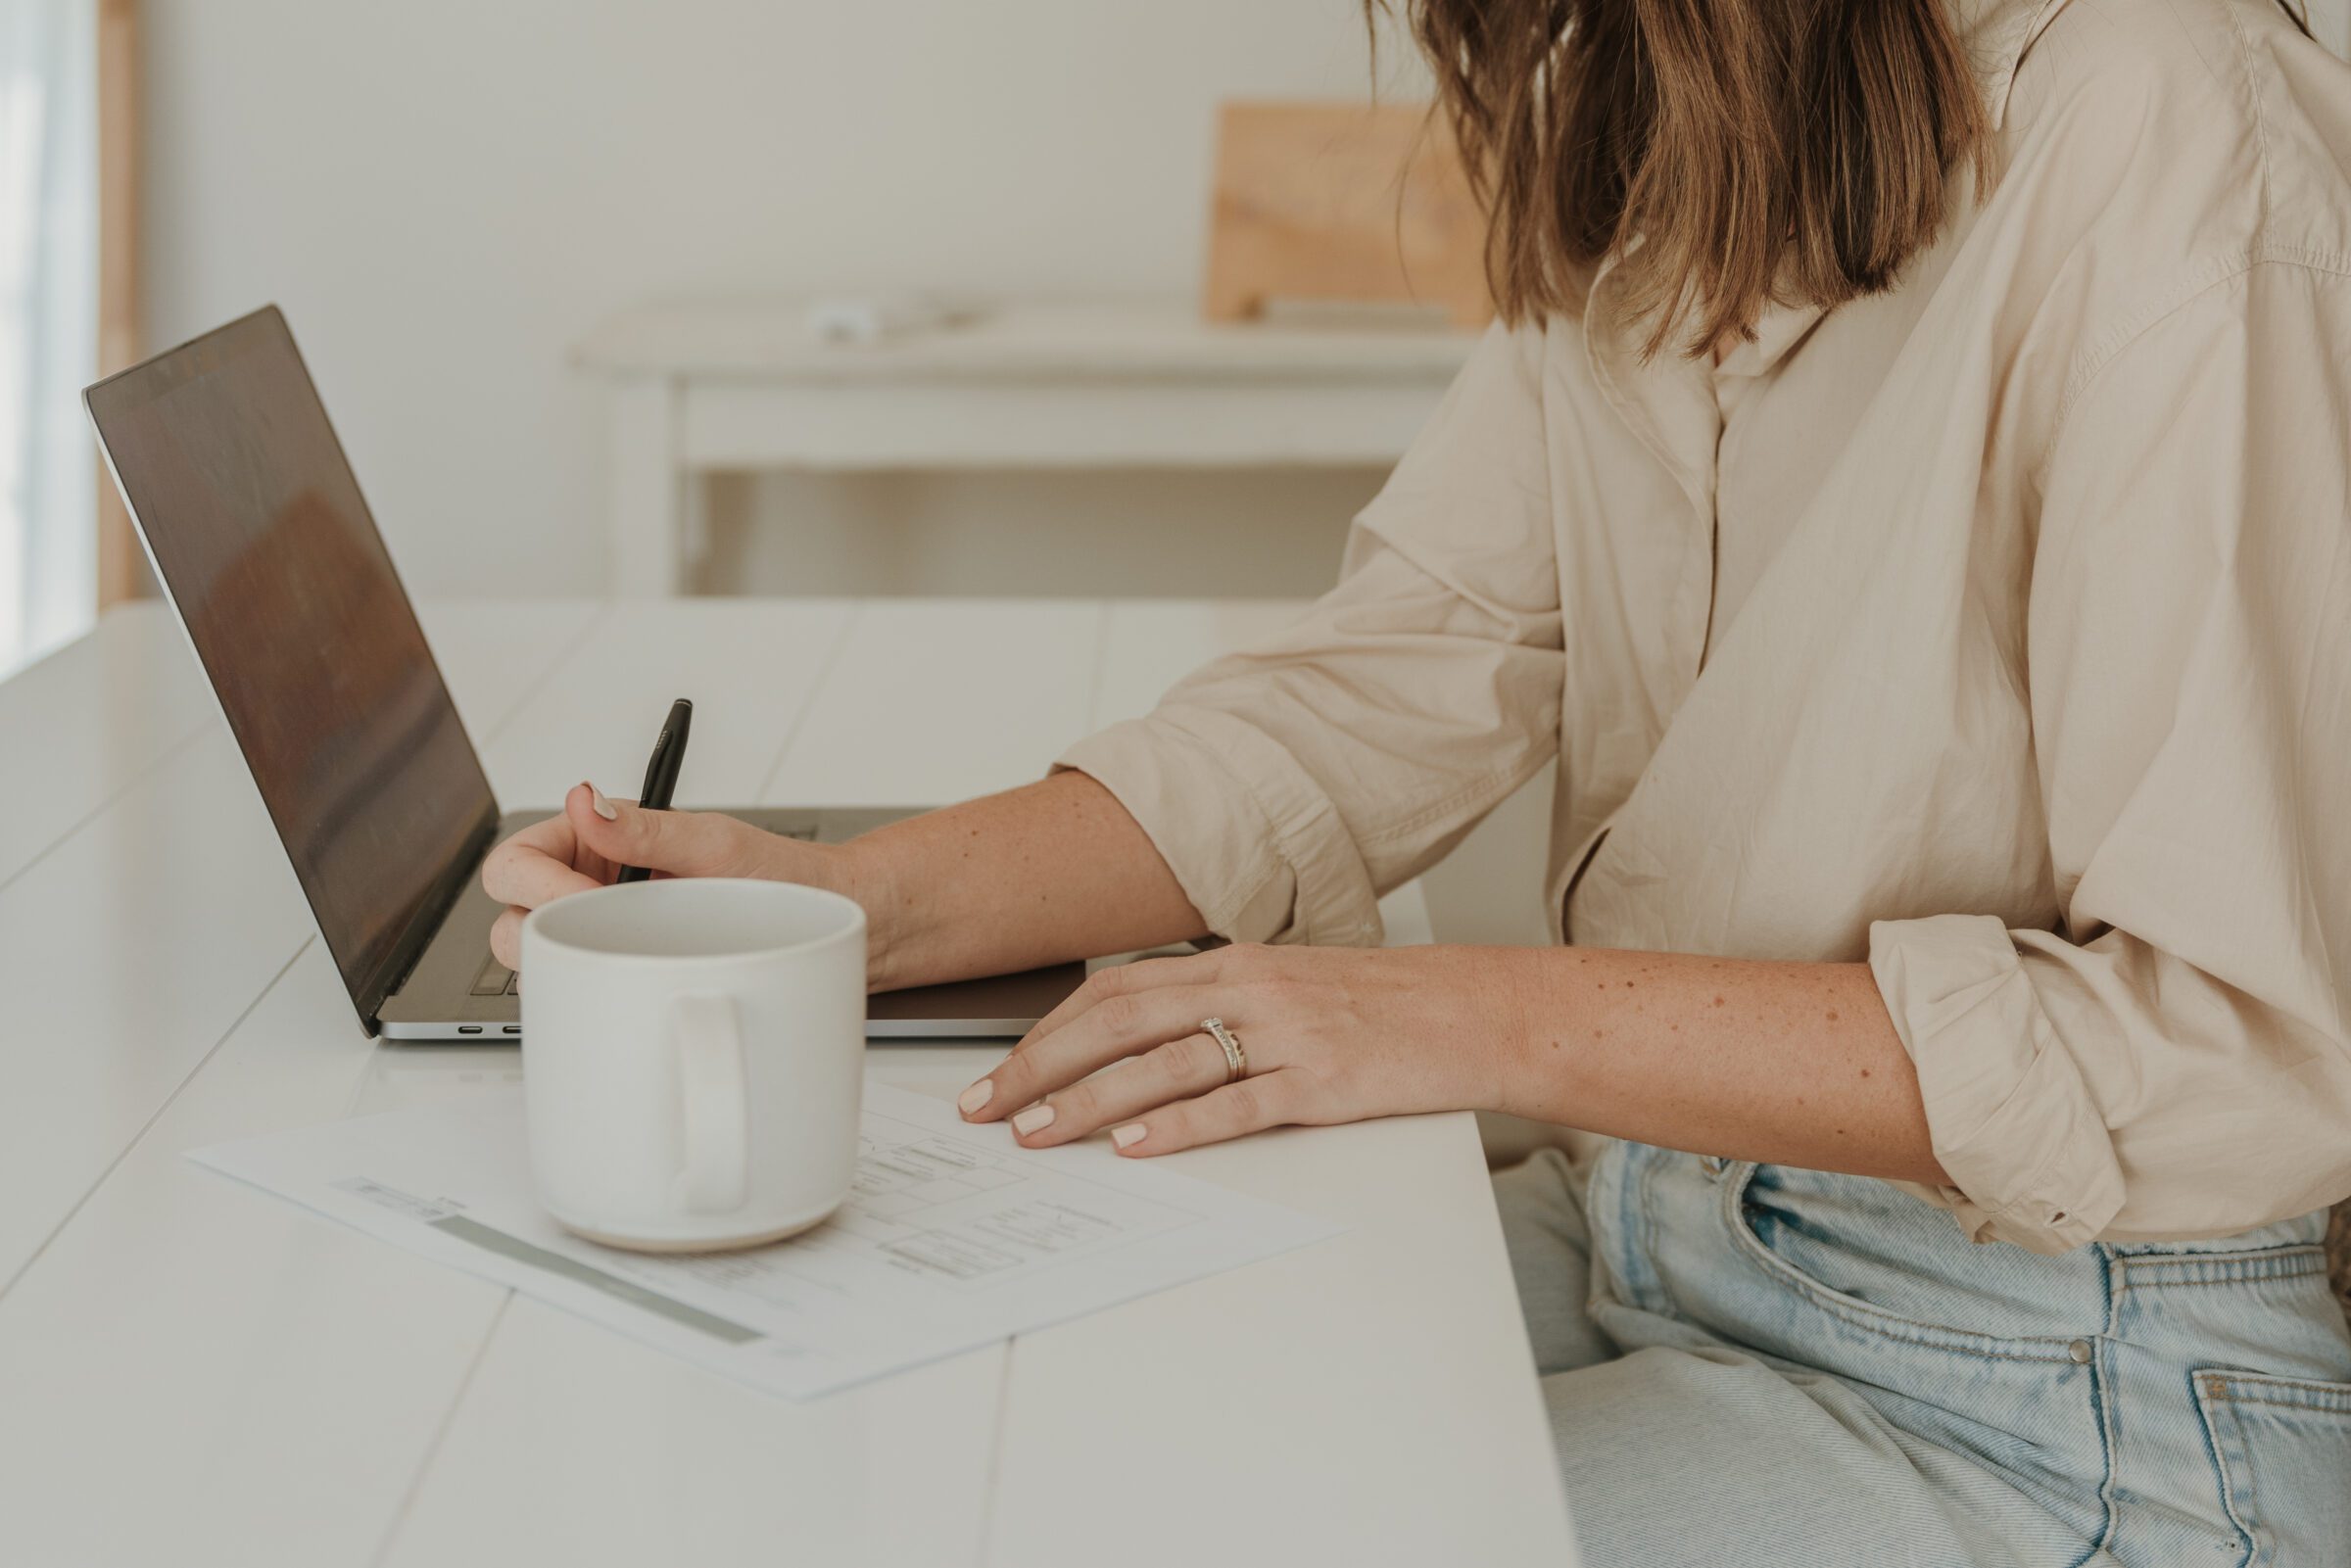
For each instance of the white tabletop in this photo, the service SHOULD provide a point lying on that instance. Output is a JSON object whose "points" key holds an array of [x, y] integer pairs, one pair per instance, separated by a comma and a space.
{"points": [[191, 1372]]}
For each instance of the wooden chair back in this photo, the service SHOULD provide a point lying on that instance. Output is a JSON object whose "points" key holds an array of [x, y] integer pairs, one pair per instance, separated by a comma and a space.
{"points": [[1340, 203]]}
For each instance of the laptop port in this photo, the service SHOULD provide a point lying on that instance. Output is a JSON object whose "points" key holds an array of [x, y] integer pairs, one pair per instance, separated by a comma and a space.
{"points": [[470, 1028], [511, 1029]]}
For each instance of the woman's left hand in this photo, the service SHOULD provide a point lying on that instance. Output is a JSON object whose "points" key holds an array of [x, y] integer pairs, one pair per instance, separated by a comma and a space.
{"points": [[1330, 1034]]}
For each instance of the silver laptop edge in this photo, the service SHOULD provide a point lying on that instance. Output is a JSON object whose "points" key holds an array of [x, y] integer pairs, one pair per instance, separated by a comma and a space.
{"points": [[424, 1000]]}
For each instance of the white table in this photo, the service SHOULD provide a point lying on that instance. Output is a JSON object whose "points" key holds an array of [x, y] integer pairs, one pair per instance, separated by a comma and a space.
{"points": [[722, 386], [193, 1373]]}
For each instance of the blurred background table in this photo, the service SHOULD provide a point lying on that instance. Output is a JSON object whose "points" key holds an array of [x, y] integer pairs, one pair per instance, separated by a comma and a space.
{"points": [[720, 387]]}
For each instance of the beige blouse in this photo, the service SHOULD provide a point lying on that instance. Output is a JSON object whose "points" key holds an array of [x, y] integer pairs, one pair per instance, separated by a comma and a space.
{"points": [[1996, 631]]}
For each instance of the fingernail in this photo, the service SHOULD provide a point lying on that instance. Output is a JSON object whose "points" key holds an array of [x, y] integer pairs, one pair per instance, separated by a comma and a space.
{"points": [[603, 808], [972, 1099], [1129, 1135], [1035, 1117]]}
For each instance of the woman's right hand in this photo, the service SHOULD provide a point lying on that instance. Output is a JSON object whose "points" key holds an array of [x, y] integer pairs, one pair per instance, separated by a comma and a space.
{"points": [[595, 838], [1050, 870]]}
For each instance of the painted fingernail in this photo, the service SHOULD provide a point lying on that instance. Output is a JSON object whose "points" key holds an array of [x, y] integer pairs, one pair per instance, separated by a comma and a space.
{"points": [[1035, 1117], [603, 808], [1129, 1135], [973, 1098]]}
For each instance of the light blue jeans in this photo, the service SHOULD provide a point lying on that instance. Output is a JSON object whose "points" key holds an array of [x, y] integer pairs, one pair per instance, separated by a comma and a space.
{"points": [[1754, 1367]]}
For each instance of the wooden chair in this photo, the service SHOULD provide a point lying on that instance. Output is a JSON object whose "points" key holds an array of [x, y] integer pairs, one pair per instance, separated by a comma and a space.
{"points": [[1342, 203]]}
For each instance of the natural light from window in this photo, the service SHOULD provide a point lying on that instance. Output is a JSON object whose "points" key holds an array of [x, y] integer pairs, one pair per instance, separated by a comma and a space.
{"points": [[48, 324]]}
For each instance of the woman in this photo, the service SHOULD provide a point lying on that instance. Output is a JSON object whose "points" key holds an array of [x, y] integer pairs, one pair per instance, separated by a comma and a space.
{"points": [[1905, 501]]}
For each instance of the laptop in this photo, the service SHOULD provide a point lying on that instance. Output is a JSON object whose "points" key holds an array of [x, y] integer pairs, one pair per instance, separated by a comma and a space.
{"points": [[257, 534]]}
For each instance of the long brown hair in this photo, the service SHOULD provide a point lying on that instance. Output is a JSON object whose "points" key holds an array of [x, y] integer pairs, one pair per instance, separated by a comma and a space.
{"points": [[1763, 150]]}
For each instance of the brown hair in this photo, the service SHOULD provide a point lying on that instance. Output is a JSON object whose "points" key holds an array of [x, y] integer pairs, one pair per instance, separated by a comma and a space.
{"points": [[1763, 150]]}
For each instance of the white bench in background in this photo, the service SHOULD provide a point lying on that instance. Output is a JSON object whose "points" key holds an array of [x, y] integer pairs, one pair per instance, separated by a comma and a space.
{"points": [[742, 386]]}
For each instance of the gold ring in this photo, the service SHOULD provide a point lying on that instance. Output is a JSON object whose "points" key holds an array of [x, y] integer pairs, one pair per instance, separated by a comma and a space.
{"points": [[1236, 1060]]}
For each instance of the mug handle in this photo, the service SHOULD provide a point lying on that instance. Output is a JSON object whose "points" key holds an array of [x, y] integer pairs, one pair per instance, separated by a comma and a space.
{"points": [[713, 1104]]}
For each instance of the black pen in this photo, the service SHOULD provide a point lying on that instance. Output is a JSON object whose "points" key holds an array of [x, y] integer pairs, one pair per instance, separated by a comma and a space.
{"points": [[661, 773]]}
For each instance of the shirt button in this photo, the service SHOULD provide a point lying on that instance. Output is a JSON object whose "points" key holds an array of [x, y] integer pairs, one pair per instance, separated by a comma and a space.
{"points": [[2080, 1350]]}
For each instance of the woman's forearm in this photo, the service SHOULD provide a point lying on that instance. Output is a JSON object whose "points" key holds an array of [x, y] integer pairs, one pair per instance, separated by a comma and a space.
{"points": [[1054, 869], [1794, 1063]]}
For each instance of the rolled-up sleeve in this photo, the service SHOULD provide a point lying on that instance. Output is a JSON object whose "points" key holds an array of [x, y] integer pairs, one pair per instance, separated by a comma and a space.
{"points": [[2172, 1061], [1290, 785]]}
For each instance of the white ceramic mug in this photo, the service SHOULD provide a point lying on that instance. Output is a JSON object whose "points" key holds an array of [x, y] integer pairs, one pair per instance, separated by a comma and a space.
{"points": [[692, 1060]]}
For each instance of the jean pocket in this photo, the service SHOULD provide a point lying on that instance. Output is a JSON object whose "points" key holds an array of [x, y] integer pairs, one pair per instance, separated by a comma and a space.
{"points": [[1882, 1263], [2282, 1448]]}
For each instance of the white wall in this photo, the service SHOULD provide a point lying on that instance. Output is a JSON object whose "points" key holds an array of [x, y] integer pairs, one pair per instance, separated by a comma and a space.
{"points": [[445, 193]]}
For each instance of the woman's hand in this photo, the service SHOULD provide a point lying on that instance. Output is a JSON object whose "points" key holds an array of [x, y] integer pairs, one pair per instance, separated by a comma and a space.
{"points": [[1332, 1035], [595, 838], [1050, 870]]}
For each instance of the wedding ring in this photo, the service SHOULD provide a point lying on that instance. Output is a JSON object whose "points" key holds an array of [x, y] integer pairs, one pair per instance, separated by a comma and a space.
{"points": [[1236, 1060]]}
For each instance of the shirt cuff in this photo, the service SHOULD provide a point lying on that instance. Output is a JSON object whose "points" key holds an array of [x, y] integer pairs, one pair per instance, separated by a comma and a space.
{"points": [[2012, 1122], [1253, 840]]}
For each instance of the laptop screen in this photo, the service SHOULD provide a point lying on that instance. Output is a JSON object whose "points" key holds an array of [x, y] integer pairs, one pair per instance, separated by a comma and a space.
{"points": [[257, 528]]}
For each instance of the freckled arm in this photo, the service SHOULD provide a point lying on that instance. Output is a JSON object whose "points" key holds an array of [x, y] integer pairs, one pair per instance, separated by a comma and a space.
{"points": [[1794, 1063]]}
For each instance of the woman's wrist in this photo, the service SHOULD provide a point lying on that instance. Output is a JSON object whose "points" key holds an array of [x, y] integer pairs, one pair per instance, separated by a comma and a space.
{"points": [[1051, 871], [862, 870], [1531, 1028]]}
